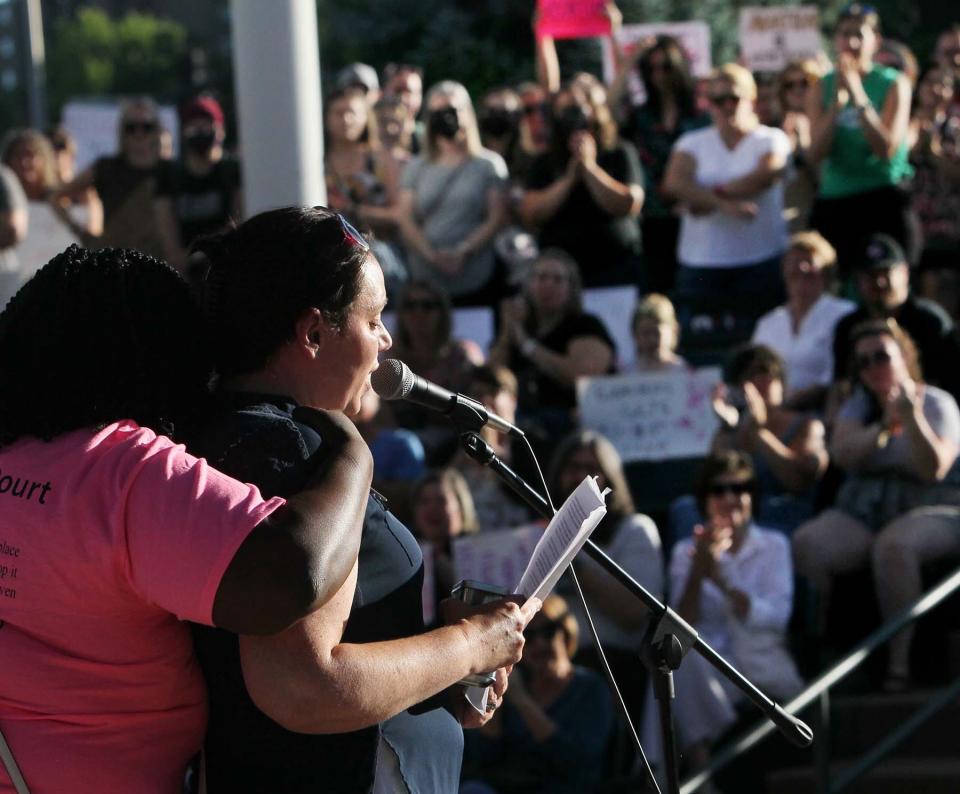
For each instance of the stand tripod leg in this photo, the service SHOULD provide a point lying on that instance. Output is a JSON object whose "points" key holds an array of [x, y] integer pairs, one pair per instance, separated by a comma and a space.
{"points": [[663, 692]]}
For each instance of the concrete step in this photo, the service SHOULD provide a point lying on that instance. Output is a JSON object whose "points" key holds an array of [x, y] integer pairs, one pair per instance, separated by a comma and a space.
{"points": [[860, 722], [892, 777]]}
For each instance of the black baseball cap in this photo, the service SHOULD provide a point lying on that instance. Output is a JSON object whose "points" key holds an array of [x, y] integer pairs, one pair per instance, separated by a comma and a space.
{"points": [[880, 252]]}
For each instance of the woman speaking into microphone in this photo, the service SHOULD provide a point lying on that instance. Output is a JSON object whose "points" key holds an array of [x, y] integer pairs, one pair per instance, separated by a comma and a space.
{"points": [[294, 298]]}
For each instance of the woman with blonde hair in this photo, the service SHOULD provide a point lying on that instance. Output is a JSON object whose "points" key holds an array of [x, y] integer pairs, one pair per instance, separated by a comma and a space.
{"points": [[453, 201], [656, 334]]}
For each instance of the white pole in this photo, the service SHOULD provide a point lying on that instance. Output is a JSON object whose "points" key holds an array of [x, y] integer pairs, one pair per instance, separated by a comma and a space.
{"points": [[36, 64], [277, 73]]}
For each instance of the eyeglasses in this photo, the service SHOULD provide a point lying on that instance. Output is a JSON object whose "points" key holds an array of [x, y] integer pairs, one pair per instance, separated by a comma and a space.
{"points": [[868, 360], [545, 631], [143, 127], [724, 99], [351, 235], [730, 488], [425, 305]]}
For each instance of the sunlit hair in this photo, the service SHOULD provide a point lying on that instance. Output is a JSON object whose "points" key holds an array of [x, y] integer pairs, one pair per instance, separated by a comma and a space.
{"points": [[893, 329], [808, 69], [658, 308], [817, 246], [737, 75], [459, 98], [452, 481], [730, 463], [571, 271], [556, 610], [15, 139]]}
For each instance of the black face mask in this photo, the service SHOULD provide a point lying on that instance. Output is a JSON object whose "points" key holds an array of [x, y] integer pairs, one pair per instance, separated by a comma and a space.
{"points": [[443, 123], [200, 142], [497, 122], [572, 119]]}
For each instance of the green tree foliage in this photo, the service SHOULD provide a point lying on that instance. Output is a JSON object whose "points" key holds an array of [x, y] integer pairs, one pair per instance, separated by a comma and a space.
{"points": [[92, 54]]}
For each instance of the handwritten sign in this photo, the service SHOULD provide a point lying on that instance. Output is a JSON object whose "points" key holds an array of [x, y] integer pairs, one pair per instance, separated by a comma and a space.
{"points": [[497, 558], [94, 126], [572, 19], [694, 38], [771, 37], [652, 417]]}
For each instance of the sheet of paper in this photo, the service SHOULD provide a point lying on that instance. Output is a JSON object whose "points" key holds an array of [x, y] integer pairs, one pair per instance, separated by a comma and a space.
{"points": [[563, 538], [477, 697]]}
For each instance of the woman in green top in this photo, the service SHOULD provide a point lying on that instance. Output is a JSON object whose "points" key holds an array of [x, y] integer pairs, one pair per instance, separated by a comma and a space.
{"points": [[859, 115]]}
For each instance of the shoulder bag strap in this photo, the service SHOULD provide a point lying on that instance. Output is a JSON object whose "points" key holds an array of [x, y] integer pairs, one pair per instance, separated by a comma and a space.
{"points": [[6, 754]]}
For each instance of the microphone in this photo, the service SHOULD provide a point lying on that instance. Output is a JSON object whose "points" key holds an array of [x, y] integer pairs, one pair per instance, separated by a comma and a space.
{"points": [[393, 380]]}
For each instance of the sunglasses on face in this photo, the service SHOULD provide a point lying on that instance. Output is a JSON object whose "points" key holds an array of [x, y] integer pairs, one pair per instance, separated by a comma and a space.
{"points": [[867, 360], [142, 127], [730, 488], [425, 305], [724, 99]]}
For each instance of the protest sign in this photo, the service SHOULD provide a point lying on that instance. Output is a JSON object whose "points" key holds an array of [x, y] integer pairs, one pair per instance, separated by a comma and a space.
{"points": [[94, 125], [652, 416], [694, 38], [572, 19], [498, 558], [771, 37]]}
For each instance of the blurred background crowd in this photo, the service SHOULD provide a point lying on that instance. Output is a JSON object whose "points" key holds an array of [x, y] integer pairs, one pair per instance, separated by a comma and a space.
{"points": [[798, 229]]}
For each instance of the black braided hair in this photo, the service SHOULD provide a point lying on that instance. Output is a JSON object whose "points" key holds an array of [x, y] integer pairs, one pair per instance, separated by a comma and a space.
{"points": [[98, 336], [259, 278]]}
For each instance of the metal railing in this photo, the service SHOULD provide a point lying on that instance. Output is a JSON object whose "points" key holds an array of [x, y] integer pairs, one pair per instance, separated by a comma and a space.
{"points": [[818, 692]]}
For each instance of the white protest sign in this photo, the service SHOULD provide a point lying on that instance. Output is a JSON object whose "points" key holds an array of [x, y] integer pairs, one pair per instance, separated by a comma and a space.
{"points": [[498, 558], [652, 416], [771, 37], [694, 38], [94, 127]]}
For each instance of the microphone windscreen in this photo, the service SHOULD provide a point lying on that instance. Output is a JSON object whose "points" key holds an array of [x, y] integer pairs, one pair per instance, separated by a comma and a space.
{"points": [[392, 380]]}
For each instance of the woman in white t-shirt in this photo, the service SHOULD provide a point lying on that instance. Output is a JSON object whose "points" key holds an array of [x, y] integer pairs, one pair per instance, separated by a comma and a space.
{"points": [[728, 179]]}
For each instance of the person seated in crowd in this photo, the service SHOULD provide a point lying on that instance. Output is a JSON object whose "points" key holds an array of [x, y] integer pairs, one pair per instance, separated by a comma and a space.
{"points": [[53, 224], [425, 343], [585, 193], [548, 341], [442, 510], [801, 331], [498, 118], [656, 334], [453, 202], [361, 78], [859, 114], [496, 505], [124, 535], [393, 130], [733, 581], [934, 140], [556, 721], [362, 670], [631, 539], [398, 456], [800, 188], [788, 448], [653, 128], [534, 123], [126, 182], [404, 81], [13, 230], [897, 438], [729, 179], [200, 194], [883, 280]]}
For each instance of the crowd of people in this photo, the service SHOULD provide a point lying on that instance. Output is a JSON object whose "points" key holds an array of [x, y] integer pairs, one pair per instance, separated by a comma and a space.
{"points": [[807, 241]]}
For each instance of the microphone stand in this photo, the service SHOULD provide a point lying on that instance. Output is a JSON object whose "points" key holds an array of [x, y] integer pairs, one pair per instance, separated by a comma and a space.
{"points": [[668, 638]]}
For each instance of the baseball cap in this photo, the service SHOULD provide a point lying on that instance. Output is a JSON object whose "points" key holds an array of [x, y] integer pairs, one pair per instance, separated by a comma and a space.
{"points": [[881, 251], [202, 107], [360, 75]]}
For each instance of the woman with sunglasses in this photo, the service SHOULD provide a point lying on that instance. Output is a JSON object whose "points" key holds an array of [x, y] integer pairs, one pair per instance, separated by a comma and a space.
{"points": [[557, 719], [653, 128], [793, 84], [859, 115], [305, 329], [897, 438], [733, 582], [125, 182], [728, 177]]}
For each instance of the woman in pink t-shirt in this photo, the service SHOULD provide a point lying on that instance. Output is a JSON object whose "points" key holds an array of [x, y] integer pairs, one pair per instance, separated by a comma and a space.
{"points": [[111, 535]]}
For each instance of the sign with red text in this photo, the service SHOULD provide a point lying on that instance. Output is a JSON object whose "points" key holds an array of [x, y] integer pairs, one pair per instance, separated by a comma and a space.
{"points": [[652, 416], [572, 19], [694, 38], [498, 558], [771, 37]]}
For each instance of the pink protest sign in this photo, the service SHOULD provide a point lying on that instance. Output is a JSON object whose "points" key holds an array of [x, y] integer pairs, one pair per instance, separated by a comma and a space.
{"points": [[572, 19]]}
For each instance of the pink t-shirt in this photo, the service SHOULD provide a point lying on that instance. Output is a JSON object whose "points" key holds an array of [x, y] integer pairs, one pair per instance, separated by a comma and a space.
{"points": [[106, 539]]}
